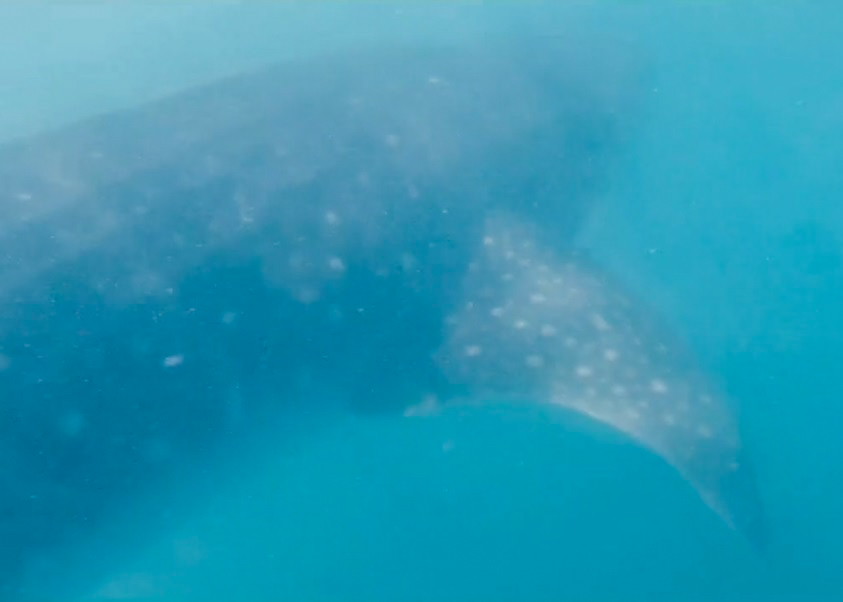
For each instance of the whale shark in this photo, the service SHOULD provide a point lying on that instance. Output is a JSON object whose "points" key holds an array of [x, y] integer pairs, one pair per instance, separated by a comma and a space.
{"points": [[398, 221]]}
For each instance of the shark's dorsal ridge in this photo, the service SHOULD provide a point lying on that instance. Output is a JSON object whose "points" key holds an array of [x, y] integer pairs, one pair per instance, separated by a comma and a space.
{"points": [[555, 328]]}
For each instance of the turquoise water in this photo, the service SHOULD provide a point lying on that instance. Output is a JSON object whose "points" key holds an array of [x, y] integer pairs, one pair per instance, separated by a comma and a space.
{"points": [[726, 215]]}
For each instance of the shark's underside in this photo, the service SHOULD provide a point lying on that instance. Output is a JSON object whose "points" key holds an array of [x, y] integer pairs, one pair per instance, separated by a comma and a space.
{"points": [[397, 222]]}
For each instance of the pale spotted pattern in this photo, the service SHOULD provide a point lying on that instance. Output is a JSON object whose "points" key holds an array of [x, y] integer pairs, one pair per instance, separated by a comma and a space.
{"points": [[555, 329]]}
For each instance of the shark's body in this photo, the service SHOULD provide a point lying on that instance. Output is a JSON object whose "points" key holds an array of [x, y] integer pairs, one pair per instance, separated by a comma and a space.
{"points": [[395, 221]]}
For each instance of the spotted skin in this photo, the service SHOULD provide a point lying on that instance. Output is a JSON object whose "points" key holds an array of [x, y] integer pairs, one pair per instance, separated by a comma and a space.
{"points": [[172, 274], [556, 329]]}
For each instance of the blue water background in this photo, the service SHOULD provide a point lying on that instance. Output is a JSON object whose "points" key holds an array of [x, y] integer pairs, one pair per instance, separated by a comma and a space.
{"points": [[727, 215]]}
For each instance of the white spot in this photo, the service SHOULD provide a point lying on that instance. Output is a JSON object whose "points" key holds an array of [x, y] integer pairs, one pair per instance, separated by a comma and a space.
{"points": [[488, 241], [658, 386], [584, 371], [669, 419], [705, 399], [600, 322], [171, 361], [534, 361], [473, 350], [392, 140], [704, 431], [507, 277], [331, 218], [429, 406], [547, 330], [24, 196], [619, 391], [537, 298], [509, 254], [229, 317], [610, 355], [434, 80], [570, 342], [336, 264], [497, 312], [520, 324]]}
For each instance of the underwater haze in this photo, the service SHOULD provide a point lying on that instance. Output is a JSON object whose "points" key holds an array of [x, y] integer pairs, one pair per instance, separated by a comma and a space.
{"points": [[719, 205]]}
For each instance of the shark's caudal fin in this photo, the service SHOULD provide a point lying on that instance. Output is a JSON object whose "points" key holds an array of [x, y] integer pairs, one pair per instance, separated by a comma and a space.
{"points": [[555, 329]]}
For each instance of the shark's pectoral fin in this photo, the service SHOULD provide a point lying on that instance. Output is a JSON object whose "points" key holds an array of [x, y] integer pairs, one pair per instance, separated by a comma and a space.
{"points": [[554, 328]]}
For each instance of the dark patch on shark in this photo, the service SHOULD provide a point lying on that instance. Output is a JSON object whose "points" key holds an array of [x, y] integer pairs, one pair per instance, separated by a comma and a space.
{"points": [[323, 217]]}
